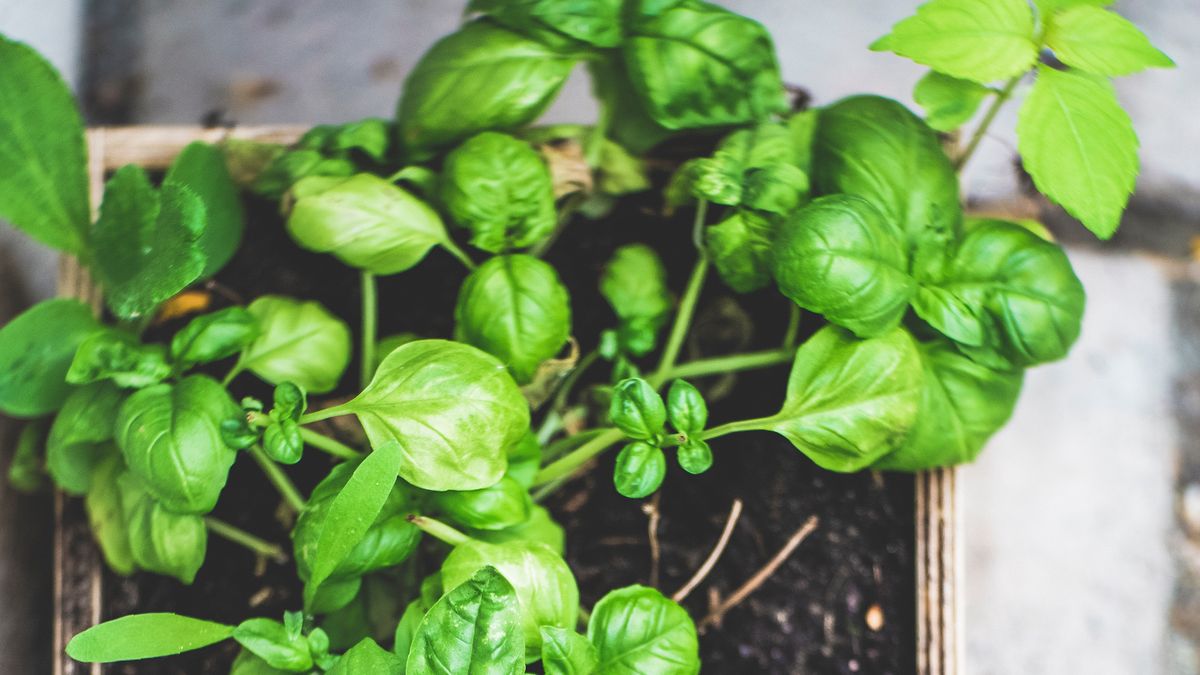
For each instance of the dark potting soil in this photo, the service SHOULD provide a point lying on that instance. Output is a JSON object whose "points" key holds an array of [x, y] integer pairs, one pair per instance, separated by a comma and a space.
{"points": [[810, 616]]}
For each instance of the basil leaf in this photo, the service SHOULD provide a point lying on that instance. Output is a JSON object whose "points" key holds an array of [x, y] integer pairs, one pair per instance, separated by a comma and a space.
{"points": [[639, 470], [145, 636], [79, 438], [406, 632], [475, 628], [729, 56], [43, 160], [170, 436], [247, 663], [368, 657], [514, 307], [539, 527], [638, 630], [290, 167], [686, 408], [1102, 42], [1009, 297], [161, 540], [496, 507], [546, 592], [524, 460], [695, 456], [270, 641], [565, 652], [1079, 146], [962, 404], [500, 189], [452, 408], [351, 513], [840, 258], [146, 242], [213, 336], [36, 349], [877, 149], [370, 136], [103, 505], [637, 409], [634, 283], [482, 77], [980, 40], [120, 357], [26, 472], [596, 22], [201, 168], [282, 441], [630, 122], [299, 342], [850, 402], [365, 221], [949, 102], [740, 247]]}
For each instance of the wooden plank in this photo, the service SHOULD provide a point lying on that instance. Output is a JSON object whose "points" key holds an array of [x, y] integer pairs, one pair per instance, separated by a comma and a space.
{"points": [[939, 581]]}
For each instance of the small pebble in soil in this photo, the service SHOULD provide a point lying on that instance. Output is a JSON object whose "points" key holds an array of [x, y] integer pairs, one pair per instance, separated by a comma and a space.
{"points": [[875, 618]]}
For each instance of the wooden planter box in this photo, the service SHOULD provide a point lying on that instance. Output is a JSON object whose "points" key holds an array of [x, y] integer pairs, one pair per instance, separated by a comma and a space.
{"points": [[78, 593]]}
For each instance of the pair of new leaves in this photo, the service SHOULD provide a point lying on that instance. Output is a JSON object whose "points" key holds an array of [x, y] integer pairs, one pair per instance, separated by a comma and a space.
{"points": [[640, 413]]}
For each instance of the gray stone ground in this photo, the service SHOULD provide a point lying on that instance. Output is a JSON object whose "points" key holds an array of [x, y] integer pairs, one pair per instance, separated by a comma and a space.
{"points": [[1082, 520]]}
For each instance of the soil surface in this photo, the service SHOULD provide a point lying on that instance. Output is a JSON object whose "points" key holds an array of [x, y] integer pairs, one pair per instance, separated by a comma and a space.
{"points": [[810, 616]]}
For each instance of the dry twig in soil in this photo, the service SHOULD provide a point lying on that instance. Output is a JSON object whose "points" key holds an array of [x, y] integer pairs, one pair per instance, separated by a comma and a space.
{"points": [[735, 512], [651, 509]]}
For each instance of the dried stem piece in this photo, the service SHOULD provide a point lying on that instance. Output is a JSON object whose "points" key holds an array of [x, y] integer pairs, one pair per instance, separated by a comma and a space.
{"points": [[651, 509], [735, 512], [752, 584]]}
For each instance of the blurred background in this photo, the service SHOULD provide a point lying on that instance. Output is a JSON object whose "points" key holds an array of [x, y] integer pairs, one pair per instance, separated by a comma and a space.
{"points": [[1082, 520]]}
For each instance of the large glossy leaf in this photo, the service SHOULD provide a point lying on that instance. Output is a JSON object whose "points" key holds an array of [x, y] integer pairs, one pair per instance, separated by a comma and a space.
{"points": [[120, 357], [838, 257], [596, 22], [1079, 146], [79, 438], [565, 652], [631, 124], [214, 336], [698, 65], [1102, 42], [368, 657], [638, 630], [980, 40], [475, 629], [43, 163], [144, 636], [539, 527], [161, 540], [298, 342], [452, 408], [962, 404], [36, 349], [497, 507], [850, 401], [482, 77], [271, 641], [201, 168], [515, 308]]}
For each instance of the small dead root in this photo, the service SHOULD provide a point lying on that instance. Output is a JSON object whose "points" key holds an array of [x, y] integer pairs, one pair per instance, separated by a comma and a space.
{"points": [[735, 512], [650, 508], [714, 617]]}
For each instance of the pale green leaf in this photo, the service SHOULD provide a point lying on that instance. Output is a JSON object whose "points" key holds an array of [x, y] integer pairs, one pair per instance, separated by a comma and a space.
{"points": [[144, 636], [949, 102], [1102, 42]]}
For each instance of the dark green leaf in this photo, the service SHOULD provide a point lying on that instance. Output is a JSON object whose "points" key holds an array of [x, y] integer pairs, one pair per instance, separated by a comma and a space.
{"points": [[298, 342], [26, 473], [695, 456], [282, 441], [740, 247], [635, 284], [630, 122], [474, 629], [213, 336], [103, 504], [79, 438], [686, 408], [637, 630], [596, 22], [640, 469], [144, 636], [499, 506], [406, 632], [565, 652], [36, 349], [120, 357], [160, 540], [948, 101], [637, 409], [201, 168], [367, 657], [273, 643]]}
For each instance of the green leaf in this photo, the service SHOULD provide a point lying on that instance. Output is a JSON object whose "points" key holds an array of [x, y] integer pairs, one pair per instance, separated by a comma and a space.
{"points": [[452, 408], [270, 641], [695, 456], [496, 507], [247, 663], [740, 247], [201, 168], [634, 283], [877, 149], [213, 336], [514, 307], [979, 40], [282, 441], [145, 636], [147, 243], [596, 22], [697, 65], [352, 512], [639, 470], [365, 221], [630, 122], [547, 594], [120, 357], [539, 527], [1008, 297], [43, 161], [637, 630], [288, 168], [686, 408], [475, 629], [79, 438], [370, 136], [103, 505], [949, 102], [36, 349], [170, 435], [406, 632], [1102, 42], [840, 258], [524, 460], [1048, 7], [26, 472], [565, 652], [482, 77], [1079, 146], [500, 189], [962, 404], [160, 540], [850, 402], [637, 409], [298, 342], [368, 657]]}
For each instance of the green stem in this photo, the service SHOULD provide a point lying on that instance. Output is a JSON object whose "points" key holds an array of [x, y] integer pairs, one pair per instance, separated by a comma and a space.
{"points": [[727, 364], [457, 252], [329, 445], [564, 390], [793, 327], [323, 414], [758, 424], [279, 479], [243, 538], [571, 461], [370, 317], [687, 305], [233, 372], [438, 530], [982, 129]]}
